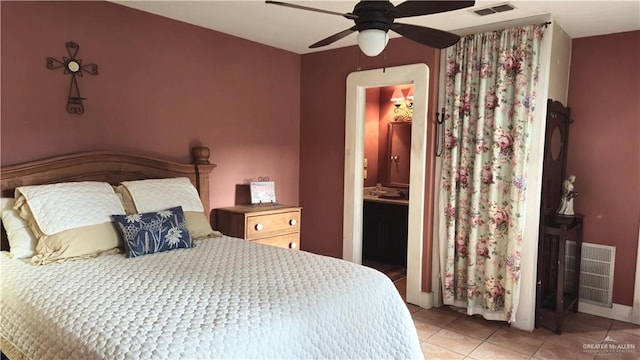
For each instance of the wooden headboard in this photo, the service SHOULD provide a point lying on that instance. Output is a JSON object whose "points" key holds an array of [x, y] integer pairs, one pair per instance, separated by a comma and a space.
{"points": [[111, 167]]}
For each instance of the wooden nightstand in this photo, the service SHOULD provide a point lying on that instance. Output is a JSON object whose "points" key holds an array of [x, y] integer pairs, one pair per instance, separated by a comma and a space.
{"points": [[276, 225]]}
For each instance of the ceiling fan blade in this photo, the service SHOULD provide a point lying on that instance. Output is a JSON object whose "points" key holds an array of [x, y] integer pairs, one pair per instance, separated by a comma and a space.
{"points": [[333, 38], [300, 7], [424, 35], [417, 8]]}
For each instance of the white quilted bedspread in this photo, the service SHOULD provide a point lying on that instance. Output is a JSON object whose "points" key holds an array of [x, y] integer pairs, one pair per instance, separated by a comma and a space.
{"points": [[226, 298]]}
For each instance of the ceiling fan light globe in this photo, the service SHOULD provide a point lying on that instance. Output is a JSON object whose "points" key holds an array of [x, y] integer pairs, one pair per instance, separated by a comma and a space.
{"points": [[373, 41]]}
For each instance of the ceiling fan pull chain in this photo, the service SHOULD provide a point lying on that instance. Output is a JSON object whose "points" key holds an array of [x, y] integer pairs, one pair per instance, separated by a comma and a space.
{"points": [[384, 61]]}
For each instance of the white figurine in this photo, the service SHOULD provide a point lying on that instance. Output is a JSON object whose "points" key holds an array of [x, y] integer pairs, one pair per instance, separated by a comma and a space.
{"points": [[566, 204]]}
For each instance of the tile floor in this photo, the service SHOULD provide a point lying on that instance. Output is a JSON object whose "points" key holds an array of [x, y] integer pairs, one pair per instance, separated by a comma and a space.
{"points": [[446, 334]]}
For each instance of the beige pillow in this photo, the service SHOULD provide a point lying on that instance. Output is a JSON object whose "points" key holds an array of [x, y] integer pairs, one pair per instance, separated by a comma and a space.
{"points": [[79, 243], [68, 219], [197, 222], [127, 201], [199, 226]]}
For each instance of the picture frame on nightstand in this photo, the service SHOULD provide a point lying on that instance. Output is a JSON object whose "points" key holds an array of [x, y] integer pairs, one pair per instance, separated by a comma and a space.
{"points": [[263, 192]]}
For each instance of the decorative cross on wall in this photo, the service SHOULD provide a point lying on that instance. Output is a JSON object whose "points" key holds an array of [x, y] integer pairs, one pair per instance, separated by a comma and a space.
{"points": [[73, 66]]}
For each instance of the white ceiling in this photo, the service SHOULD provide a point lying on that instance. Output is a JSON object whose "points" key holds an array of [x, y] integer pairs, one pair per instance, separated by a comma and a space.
{"points": [[294, 30]]}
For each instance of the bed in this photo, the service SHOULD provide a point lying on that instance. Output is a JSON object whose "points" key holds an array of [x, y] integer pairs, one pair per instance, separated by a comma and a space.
{"points": [[223, 298]]}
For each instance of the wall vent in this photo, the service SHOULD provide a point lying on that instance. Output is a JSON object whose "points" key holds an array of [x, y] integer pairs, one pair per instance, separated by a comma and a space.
{"points": [[493, 9], [596, 272]]}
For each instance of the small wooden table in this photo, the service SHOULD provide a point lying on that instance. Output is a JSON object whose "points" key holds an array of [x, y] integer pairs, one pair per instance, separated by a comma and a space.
{"points": [[552, 299], [276, 225]]}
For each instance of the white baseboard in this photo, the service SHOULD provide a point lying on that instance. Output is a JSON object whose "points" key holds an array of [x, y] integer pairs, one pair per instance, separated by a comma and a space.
{"points": [[425, 300], [616, 312]]}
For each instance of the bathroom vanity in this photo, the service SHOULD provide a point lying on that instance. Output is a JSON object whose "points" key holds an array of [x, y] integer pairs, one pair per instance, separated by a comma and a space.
{"points": [[384, 230], [386, 208]]}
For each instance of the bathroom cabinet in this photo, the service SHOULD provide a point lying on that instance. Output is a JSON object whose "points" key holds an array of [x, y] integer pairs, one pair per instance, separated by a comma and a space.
{"points": [[384, 233]]}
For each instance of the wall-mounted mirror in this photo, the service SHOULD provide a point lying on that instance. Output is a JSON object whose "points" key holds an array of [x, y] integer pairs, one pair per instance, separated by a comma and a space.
{"points": [[556, 143], [398, 162]]}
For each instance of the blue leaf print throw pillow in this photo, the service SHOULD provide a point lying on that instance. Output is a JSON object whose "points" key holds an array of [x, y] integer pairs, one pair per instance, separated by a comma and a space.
{"points": [[153, 232]]}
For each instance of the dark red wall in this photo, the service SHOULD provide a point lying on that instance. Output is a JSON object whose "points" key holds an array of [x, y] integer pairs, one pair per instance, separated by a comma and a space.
{"points": [[163, 86], [322, 134], [604, 147]]}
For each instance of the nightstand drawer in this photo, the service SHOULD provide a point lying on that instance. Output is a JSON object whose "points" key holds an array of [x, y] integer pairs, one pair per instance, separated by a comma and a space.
{"points": [[261, 226], [291, 241]]}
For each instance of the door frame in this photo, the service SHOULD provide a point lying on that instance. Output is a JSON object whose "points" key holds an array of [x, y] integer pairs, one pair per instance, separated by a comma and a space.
{"points": [[357, 83]]}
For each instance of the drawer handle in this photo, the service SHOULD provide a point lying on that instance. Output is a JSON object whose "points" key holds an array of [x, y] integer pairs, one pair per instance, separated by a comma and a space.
{"points": [[293, 245], [292, 222], [259, 227]]}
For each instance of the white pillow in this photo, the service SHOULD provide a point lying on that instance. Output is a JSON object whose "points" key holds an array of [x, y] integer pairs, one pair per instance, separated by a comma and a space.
{"points": [[59, 207], [22, 242], [159, 194], [144, 196]]}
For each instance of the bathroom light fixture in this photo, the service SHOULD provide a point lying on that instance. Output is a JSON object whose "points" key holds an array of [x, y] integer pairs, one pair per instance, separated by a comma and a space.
{"points": [[372, 41], [397, 96], [410, 97], [410, 94], [404, 113]]}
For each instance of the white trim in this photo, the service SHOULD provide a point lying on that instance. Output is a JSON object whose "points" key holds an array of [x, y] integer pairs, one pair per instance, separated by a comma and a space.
{"points": [[357, 83], [525, 304], [426, 300], [439, 255], [635, 311], [616, 312]]}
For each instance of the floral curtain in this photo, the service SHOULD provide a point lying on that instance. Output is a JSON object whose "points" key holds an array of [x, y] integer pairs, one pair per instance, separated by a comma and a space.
{"points": [[490, 100]]}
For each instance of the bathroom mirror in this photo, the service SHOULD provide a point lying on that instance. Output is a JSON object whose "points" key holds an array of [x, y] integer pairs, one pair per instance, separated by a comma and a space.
{"points": [[399, 159]]}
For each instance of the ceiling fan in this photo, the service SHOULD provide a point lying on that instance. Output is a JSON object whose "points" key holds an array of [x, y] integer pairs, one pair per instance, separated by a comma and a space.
{"points": [[373, 19]]}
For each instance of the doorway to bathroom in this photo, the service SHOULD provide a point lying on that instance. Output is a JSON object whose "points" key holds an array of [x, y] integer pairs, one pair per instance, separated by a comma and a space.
{"points": [[357, 85], [387, 155]]}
